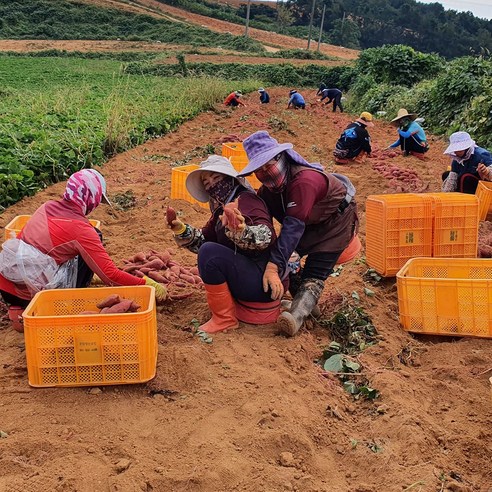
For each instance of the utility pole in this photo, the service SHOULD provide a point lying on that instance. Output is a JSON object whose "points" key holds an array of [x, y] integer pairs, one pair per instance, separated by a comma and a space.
{"points": [[247, 18], [342, 34], [321, 27], [311, 24]]}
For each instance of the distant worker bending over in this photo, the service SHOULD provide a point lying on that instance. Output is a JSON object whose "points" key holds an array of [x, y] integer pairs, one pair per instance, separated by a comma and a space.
{"points": [[296, 100], [334, 95], [233, 99]]}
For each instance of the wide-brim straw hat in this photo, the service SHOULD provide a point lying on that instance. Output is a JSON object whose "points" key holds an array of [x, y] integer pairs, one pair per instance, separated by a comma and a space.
{"points": [[403, 113], [261, 148], [214, 164]]}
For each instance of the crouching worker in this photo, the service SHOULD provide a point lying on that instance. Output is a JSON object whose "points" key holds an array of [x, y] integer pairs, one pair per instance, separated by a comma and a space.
{"points": [[469, 164], [354, 142], [411, 136], [59, 248], [233, 247], [318, 214]]}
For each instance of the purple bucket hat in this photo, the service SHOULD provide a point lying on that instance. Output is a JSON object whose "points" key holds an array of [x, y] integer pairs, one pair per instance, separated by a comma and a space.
{"points": [[261, 148]]}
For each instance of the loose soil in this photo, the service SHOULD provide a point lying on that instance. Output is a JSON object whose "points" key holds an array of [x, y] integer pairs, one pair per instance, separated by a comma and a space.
{"points": [[252, 411]]}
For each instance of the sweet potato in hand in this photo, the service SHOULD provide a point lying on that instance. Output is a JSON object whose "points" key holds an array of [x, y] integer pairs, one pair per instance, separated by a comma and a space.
{"points": [[170, 215]]}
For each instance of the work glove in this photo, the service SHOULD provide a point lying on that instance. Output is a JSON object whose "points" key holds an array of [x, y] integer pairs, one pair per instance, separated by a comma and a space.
{"points": [[271, 280], [484, 172], [160, 290], [177, 226]]}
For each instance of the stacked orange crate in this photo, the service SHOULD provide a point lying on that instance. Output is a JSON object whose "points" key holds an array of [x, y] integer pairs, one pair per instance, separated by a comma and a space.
{"points": [[455, 227], [398, 227]]}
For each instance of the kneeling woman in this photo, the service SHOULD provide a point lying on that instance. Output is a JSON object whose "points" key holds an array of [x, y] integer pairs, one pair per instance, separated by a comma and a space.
{"points": [[232, 254]]}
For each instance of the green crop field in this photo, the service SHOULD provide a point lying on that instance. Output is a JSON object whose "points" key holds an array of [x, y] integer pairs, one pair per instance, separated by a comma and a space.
{"points": [[58, 115]]}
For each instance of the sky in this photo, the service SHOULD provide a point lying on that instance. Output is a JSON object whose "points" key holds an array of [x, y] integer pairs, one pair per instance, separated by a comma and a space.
{"points": [[479, 8]]}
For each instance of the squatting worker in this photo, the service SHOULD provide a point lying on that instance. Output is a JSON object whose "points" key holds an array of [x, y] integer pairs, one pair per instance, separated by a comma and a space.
{"points": [[411, 136], [231, 256], [59, 248], [233, 99], [318, 214], [354, 142]]}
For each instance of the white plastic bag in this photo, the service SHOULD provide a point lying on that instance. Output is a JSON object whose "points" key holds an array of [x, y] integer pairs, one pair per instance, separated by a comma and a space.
{"points": [[24, 264]]}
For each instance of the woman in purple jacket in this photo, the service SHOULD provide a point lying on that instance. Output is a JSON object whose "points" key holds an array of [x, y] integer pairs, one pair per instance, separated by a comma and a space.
{"points": [[318, 214], [231, 256]]}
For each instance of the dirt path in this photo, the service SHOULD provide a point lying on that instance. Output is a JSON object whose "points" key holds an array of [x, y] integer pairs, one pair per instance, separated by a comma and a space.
{"points": [[251, 411]]}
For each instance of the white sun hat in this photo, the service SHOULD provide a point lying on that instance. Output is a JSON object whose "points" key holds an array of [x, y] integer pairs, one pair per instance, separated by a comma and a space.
{"points": [[459, 141]]}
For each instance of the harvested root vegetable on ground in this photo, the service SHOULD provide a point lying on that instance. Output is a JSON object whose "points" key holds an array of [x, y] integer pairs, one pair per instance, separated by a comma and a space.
{"points": [[122, 307], [159, 266]]}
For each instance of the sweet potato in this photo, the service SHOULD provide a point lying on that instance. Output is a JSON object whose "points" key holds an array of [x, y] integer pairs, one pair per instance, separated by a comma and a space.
{"points": [[187, 278], [180, 283], [139, 257], [130, 268], [198, 279], [194, 271], [138, 273], [121, 307], [134, 307], [158, 277], [155, 264], [109, 301], [229, 218], [170, 215], [175, 269], [165, 257], [145, 270]]}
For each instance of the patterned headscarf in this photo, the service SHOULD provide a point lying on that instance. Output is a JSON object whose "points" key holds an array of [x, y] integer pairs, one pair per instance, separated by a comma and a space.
{"points": [[85, 188], [274, 176]]}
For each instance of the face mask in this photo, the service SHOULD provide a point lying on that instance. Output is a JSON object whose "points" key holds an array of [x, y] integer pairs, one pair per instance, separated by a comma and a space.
{"points": [[274, 176], [221, 190]]}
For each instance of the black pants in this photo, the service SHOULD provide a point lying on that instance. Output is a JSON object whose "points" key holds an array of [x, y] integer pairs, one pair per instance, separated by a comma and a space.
{"points": [[410, 144], [467, 183], [84, 278], [337, 101]]}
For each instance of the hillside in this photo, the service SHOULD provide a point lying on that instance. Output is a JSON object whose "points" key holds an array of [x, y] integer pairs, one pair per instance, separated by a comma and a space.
{"points": [[252, 411]]}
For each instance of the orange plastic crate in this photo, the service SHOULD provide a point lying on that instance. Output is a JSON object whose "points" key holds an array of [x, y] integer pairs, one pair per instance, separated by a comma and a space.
{"points": [[64, 348], [398, 227], [484, 195], [239, 163], [17, 223], [446, 296], [231, 149], [455, 228], [178, 184]]}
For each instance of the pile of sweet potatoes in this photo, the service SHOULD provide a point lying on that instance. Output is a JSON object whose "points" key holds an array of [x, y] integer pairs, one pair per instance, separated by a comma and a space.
{"points": [[114, 304], [401, 180], [160, 266]]}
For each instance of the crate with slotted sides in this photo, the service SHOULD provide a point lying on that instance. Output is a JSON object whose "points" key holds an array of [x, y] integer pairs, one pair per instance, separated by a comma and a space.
{"points": [[17, 223], [398, 227], [239, 163], [455, 227], [233, 149], [446, 296], [67, 348], [178, 184], [484, 195]]}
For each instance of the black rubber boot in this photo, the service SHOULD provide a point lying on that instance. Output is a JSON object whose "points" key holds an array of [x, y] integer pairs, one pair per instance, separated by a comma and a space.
{"points": [[295, 282], [303, 303]]}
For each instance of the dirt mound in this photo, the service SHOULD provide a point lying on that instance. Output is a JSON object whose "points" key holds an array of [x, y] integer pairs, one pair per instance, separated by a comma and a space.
{"points": [[252, 411]]}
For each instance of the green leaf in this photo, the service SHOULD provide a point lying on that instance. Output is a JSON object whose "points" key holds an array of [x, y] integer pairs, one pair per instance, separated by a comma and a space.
{"points": [[351, 366], [334, 363], [350, 387]]}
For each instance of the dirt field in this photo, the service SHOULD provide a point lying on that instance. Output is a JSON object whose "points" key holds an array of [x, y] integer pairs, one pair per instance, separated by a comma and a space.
{"points": [[252, 411], [269, 39]]}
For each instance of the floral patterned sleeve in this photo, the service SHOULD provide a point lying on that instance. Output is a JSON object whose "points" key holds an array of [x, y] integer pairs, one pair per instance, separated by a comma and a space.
{"points": [[254, 237], [191, 239]]}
